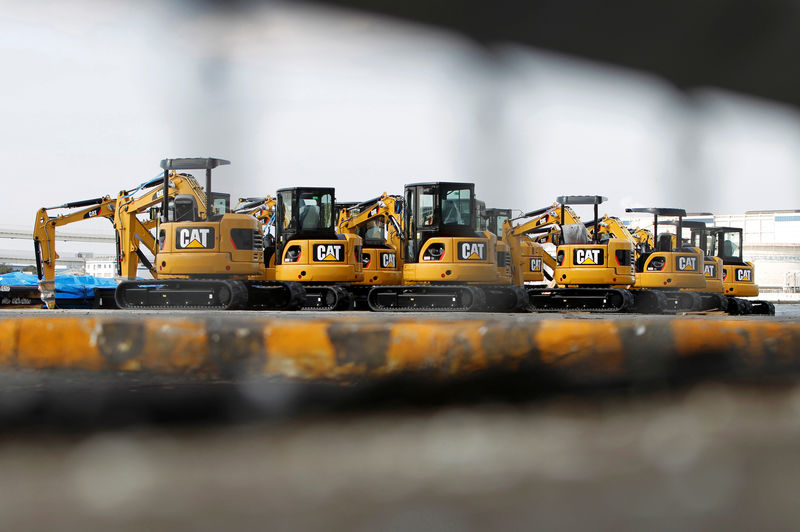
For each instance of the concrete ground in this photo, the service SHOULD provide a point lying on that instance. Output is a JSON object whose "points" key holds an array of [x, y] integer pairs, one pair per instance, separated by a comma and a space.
{"points": [[131, 452]]}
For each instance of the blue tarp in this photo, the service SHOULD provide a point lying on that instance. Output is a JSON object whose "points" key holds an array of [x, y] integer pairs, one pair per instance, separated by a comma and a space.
{"points": [[67, 286]]}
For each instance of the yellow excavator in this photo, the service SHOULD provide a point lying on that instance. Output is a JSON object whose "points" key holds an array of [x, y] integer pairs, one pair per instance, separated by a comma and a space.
{"points": [[310, 252], [589, 273], [378, 222], [131, 233], [523, 258], [663, 263], [696, 298], [447, 264], [713, 296], [135, 235], [207, 257], [737, 277]]}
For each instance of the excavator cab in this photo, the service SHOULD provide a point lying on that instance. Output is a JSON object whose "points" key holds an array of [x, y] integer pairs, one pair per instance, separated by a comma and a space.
{"points": [[738, 275], [309, 251], [495, 218], [305, 213], [698, 235], [442, 244], [437, 210], [448, 263]]}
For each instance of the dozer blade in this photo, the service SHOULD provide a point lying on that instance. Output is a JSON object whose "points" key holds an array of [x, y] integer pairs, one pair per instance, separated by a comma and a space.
{"points": [[416, 298], [326, 297], [580, 299], [193, 294]]}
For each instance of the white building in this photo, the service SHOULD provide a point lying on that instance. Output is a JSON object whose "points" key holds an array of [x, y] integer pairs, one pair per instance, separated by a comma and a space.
{"points": [[103, 266]]}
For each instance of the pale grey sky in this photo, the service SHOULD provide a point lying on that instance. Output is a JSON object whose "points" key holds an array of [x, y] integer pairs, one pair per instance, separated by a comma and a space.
{"points": [[96, 93]]}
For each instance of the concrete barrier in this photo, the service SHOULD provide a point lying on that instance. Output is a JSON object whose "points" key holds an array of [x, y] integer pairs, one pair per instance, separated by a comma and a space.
{"points": [[575, 351]]}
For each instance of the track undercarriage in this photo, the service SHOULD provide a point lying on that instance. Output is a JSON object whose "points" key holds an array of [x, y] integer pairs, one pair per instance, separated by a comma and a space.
{"points": [[327, 297], [583, 299], [452, 298], [223, 294]]}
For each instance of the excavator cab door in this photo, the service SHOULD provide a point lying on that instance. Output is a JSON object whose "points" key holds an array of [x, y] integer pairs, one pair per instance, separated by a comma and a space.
{"points": [[437, 209], [304, 213], [495, 219]]}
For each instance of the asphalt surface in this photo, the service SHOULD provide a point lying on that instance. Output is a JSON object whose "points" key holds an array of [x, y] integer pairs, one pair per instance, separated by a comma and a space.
{"points": [[131, 452]]}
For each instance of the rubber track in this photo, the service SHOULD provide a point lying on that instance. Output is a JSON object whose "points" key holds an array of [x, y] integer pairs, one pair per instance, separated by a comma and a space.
{"points": [[343, 299], [240, 290], [562, 294], [506, 298], [477, 304], [237, 288]]}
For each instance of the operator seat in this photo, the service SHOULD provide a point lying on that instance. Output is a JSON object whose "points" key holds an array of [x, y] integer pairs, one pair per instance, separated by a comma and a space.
{"points": [[727, 249], [574, 234], [664, 242], [185, 208], [309, 217], [373, 233], [452, 215]]}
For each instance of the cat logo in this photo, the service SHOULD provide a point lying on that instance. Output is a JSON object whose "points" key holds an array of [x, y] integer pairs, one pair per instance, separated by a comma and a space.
{"points": [[536, 265], [710, 270], [687, 264], [195, 238], [373, 212], [743, 274], [388, 260], [91, 214], [472, 251], [588, 257], [329, 252]]}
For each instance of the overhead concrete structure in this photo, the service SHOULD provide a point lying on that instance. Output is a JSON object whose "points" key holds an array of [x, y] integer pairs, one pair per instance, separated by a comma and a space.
{"points": [[16, 257], [65, 236]]}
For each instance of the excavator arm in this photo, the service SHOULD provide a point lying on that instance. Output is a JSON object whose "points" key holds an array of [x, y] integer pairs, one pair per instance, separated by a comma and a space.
{"points": [[44, 229], [544, 225], [133, 233], [44, 236], [388, 207]]}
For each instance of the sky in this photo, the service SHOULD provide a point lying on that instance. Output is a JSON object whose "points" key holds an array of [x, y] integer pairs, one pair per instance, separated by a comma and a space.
{"points": [[97, 93]]}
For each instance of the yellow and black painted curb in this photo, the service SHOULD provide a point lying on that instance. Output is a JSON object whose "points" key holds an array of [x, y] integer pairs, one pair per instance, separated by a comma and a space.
{"points": [[573, 350]]}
